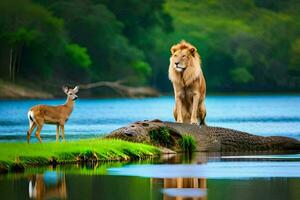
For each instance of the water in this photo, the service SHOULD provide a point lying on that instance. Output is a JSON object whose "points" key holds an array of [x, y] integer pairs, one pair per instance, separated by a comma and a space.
{"points": [[202, 176], [262, 115]]}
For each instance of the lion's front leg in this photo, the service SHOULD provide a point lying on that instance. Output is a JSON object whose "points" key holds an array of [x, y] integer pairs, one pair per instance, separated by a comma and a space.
{"points": [[196, 99], [202, 113], [178, 108]]}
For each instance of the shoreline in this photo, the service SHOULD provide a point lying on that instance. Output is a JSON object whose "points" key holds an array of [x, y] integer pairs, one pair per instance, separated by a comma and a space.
{"points": [[18, 91], [167, 95], [16, 157]]}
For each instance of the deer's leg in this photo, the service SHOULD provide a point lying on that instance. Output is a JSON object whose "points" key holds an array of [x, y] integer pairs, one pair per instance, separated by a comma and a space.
{"points": [[57, 132], [63, 132], [38, 132], [31, 128]]}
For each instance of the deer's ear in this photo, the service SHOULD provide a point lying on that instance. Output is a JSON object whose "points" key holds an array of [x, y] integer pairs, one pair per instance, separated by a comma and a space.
{"points": [[65, 89], [76, 88]]}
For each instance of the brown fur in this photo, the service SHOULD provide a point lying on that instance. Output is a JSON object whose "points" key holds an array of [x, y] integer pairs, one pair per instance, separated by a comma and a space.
{"points": [[188, 83], [43, 114]]}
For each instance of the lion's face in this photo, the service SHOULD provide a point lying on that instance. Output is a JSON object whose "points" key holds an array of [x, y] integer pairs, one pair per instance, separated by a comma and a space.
{"points": [[181, 55], [180, 59]]}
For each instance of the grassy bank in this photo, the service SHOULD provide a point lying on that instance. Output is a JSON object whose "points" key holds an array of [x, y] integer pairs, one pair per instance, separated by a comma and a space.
{"points": [[18, 156]]}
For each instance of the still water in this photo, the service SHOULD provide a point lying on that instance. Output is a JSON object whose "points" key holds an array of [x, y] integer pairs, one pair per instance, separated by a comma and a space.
{"points": [[262, 115], [201, 176]]}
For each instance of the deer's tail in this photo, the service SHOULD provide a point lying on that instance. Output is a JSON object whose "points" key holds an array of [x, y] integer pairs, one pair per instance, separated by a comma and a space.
{"points": [[30, 118]]}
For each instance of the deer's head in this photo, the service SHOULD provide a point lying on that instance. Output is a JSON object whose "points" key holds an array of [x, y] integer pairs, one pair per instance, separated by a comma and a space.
{"points": [[71, 92]]}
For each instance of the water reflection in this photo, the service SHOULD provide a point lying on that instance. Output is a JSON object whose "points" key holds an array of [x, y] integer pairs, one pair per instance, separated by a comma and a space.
{"points": [[171, 177], [179, 188], [195, 158], [50, 184]]}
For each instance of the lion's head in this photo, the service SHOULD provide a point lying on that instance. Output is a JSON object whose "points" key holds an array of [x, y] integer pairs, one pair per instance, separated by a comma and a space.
{"points": [[183, 54], [184, 60]]}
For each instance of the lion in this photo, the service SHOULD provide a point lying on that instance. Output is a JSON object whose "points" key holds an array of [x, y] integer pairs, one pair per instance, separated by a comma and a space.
{"points": [[189, 84]]}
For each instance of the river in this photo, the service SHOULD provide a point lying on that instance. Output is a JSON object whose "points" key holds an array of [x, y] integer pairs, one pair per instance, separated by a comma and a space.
{"points": [[262, 115], [199, 176]]}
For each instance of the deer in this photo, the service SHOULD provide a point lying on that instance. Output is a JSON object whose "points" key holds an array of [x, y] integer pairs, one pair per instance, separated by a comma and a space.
{"points": [[58, 115]]}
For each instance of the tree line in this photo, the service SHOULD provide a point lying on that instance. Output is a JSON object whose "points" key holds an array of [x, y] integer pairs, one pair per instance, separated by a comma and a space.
{"points": [[248, 45]]}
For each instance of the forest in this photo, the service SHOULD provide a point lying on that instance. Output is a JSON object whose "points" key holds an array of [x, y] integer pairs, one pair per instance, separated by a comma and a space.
{"points": [[245, 46]]}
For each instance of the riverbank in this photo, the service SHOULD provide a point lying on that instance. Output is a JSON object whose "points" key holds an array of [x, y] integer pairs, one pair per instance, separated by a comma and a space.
{"points": [[105, 89], [24, 90], [15, 157], [10, 90]]}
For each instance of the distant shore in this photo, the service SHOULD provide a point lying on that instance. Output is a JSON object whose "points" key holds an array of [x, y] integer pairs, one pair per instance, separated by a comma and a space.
{"points": [[16, 157], [10, 90], [16, 91]]}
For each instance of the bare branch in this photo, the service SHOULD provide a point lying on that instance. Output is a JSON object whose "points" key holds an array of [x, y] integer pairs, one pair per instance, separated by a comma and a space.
{"points": [[123, 90]]}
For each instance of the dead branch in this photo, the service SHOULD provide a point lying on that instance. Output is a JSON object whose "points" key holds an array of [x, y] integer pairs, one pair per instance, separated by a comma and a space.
{"points": [[123, 90]]}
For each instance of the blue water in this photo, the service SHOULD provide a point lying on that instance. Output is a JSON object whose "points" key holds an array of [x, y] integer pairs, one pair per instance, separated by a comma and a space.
{"points": [[214, 170], [202, 176], [262, 115]]}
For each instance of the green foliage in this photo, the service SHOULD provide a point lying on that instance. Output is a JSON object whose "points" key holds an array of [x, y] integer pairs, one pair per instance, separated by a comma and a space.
{"points": [[241, 75], [247, 42], [78, 54], [161, 137], [142, 68], [142, 71], [23, 35], [247, 45], [30, 36], [295, 57], [188, 143]]}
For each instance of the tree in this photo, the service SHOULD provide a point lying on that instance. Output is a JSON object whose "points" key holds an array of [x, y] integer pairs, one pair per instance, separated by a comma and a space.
{"points": [[34, 38]]}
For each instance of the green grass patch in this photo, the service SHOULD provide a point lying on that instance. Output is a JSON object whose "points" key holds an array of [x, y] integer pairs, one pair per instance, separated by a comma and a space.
{"points": [[188, 143], [161, 137], [28, 155]]}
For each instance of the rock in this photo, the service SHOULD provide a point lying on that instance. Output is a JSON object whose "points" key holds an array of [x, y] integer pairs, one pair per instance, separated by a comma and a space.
{"points": [[208, 139]]}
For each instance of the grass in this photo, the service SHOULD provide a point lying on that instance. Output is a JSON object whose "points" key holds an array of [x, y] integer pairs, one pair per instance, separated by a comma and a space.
{"points": [[17, 156], [161, 137], [188, 143]]}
